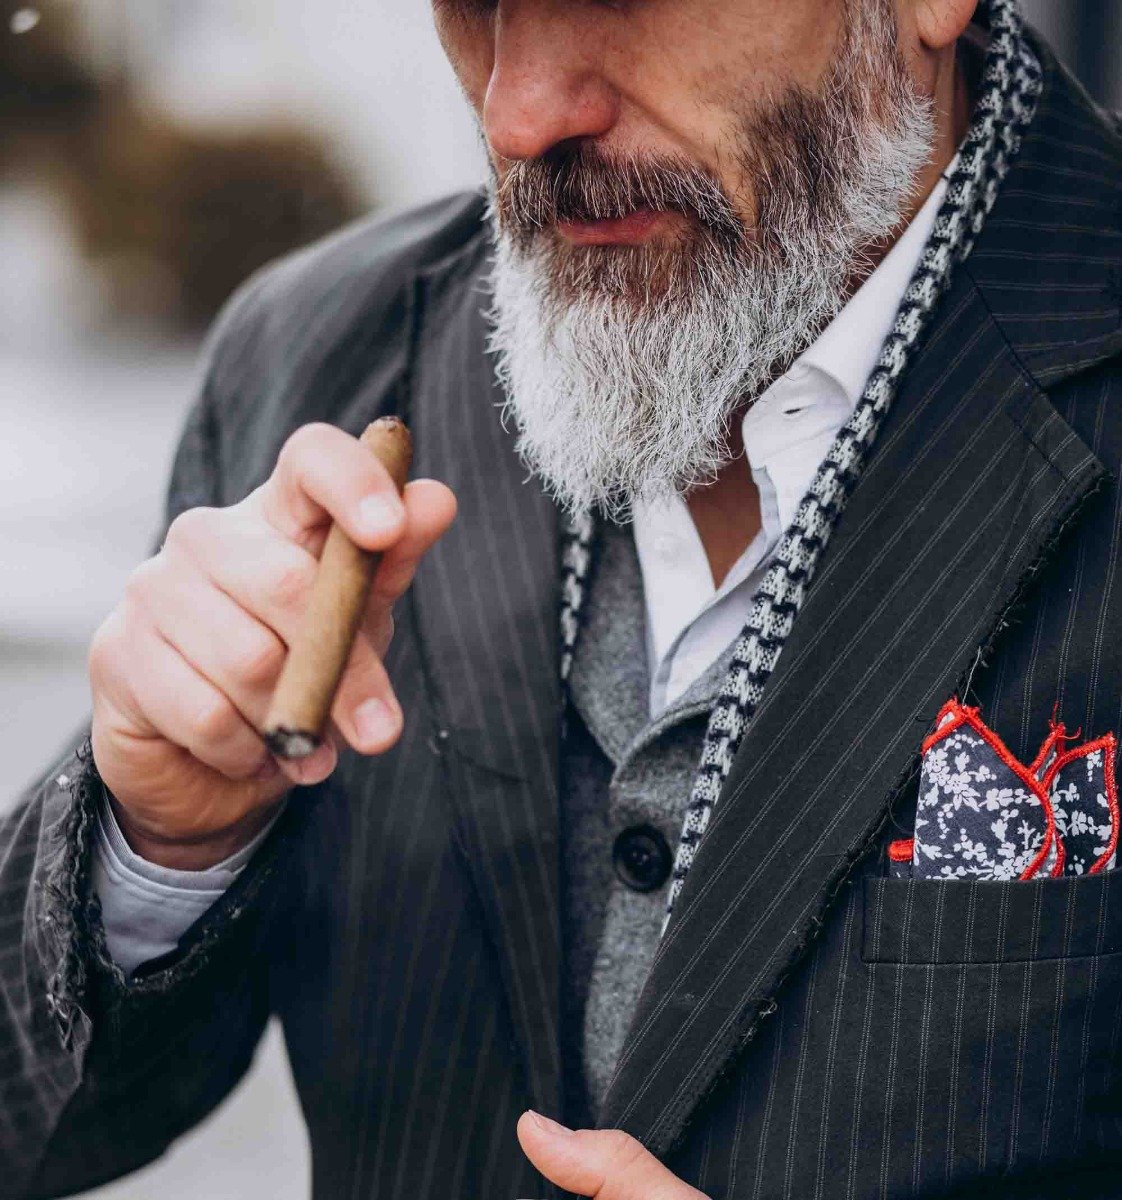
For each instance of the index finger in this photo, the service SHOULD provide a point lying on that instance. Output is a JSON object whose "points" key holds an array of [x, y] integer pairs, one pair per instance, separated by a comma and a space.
{"points": [[324, 474], [430, 508]]}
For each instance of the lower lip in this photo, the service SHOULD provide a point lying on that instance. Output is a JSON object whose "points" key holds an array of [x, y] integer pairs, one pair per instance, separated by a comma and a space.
{"points": [[636, 227]]}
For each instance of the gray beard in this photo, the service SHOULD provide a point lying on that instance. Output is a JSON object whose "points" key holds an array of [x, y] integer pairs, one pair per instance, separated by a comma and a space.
{"points": [[615, 404]]}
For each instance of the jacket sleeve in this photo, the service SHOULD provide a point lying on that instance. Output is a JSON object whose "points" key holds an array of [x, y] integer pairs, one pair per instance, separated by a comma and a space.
{"points": [[99, 1072]]}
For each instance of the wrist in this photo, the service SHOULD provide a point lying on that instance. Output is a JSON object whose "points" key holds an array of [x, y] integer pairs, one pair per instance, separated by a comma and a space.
{"points": [[198, 853]]}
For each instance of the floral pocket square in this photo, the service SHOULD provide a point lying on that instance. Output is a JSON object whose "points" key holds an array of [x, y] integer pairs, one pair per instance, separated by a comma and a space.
{"points": [[982, 814]]}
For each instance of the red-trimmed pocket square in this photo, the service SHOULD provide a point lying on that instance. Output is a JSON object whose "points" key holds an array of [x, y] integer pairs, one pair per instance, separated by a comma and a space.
{"points": [[982, 814]]}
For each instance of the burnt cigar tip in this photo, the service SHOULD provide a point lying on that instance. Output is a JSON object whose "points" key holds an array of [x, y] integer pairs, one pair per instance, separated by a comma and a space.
{"points": [[390, 424], [291, 743]]}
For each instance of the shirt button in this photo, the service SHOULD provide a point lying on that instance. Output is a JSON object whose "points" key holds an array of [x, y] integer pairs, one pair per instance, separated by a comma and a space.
{"points": [[641, 858]]}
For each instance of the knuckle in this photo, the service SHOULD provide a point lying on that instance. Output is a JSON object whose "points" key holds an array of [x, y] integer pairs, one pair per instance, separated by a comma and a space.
{"points": [[215, 722], [258, 660], [394, 579], [191, 527], [102, 649], [293, 585], [379, 631], [355, 682], [303, 441], [622, 1151], [386, 632], [248, 764], [141, 581]]}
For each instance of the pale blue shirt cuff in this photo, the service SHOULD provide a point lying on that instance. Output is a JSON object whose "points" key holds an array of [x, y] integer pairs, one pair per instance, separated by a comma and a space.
{"points": [[145, 908]]}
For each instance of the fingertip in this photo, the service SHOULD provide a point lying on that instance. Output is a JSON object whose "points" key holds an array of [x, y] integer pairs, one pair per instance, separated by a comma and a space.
{"points": [[434, 502], [531, 1137], [537, 1126], [558, 1152], [315, 768], [526, 1127], [381, 520], [378, 725]]}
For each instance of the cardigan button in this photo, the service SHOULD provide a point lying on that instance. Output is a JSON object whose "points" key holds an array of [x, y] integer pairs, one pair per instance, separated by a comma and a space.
{"points": [[641, 858]]}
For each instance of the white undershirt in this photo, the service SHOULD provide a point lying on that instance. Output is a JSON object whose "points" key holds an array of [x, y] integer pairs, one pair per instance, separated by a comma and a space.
{"points": [[787, 433]]}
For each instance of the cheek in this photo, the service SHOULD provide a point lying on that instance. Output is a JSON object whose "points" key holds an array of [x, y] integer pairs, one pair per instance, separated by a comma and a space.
{"points": [[468, 44], [691, 67]]}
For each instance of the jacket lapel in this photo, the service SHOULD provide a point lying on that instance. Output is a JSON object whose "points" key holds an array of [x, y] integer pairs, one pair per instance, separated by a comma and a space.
{"points": [[486, 606], [974, 475]]}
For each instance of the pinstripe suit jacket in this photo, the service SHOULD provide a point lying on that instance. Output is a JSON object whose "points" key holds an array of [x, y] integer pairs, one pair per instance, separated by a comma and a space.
{"points": [[808, 1028]]}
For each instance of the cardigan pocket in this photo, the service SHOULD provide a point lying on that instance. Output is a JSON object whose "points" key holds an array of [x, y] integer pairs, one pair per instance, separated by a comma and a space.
{"points": [[933, 921]]}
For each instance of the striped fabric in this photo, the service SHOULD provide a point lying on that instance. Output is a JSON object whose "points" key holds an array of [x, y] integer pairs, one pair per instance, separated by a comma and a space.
{"points": [[809, 1028], [1009, 89]]}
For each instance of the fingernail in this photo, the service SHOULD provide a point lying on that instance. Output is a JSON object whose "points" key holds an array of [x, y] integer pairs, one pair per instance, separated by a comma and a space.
{"points": [[374, 721], [317, 766], [380, 516], [547, 1125]]}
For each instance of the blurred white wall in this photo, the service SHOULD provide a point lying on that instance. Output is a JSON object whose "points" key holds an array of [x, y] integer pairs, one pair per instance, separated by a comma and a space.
{"points": [[370, 72], [91, 416], [90, 422]]}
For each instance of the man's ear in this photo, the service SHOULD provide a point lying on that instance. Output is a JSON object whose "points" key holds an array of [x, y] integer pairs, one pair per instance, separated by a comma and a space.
{"points": [[940, 23]]}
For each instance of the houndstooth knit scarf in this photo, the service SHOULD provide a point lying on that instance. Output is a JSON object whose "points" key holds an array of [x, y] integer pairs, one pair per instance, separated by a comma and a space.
{"points": [[1010, 86]]}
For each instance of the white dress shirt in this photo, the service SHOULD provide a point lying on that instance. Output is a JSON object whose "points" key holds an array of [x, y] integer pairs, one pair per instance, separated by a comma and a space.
{"points": [[787, 432]]}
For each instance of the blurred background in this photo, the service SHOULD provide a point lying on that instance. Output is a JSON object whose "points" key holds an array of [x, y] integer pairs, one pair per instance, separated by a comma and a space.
{"points": [[152, 154]]}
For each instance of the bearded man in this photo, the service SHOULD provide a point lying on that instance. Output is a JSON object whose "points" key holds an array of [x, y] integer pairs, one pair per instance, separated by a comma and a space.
{"points": [[656, 852]]}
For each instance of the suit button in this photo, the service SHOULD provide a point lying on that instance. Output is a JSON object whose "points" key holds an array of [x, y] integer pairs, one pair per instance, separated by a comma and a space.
{"points": [[642, 858]]}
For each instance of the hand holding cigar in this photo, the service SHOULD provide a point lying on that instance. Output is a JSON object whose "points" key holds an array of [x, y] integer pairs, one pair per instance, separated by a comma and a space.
{"points": [[256, 636], [302, 702]]}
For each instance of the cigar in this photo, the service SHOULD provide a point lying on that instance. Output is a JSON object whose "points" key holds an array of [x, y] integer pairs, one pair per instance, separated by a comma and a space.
{"points": [[301, 704]]}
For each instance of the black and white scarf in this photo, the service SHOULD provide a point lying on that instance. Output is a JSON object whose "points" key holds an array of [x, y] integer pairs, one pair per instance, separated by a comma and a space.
{"points": [[1010, 86]]}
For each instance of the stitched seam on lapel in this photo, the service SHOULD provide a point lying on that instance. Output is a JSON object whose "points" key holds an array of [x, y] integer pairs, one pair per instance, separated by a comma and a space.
{"points": [[722, 814], [841, 549], [422, 278], [1011, 398], [429, 689], [746, 782], [1067, 482], [732, 851], [738, 848], [524, 969], [1073, 500]]}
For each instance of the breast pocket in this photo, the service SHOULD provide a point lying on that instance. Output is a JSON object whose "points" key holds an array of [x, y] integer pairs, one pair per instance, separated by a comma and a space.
{"points": [[998, 1006], [934, 921]]}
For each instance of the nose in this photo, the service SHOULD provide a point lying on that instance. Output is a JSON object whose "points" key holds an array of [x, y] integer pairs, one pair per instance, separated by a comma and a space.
{"points": [[546, 86]]}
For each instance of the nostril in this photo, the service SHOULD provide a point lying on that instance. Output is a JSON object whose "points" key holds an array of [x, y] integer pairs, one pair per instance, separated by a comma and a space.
{"points": [[543, 95]]}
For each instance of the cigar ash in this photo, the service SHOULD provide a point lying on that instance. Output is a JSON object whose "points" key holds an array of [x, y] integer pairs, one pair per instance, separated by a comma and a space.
{"points": [[292, 744]]}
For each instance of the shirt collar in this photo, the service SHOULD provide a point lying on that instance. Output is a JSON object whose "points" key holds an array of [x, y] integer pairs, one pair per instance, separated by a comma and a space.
{"points": [[848, 348]]}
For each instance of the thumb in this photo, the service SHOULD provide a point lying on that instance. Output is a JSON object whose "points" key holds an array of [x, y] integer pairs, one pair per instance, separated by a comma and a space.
{"points": [[606, 1164]]}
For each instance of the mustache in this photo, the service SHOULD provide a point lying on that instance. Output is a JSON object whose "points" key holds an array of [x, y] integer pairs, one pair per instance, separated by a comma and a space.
{"points": [[582, 183]]}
